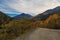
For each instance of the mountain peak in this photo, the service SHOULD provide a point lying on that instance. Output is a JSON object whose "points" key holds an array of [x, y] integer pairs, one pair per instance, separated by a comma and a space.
{"points": [[23, 16]]}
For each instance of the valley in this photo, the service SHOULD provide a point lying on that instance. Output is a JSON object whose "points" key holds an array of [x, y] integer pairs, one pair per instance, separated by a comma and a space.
{"points": [[44, 26]]}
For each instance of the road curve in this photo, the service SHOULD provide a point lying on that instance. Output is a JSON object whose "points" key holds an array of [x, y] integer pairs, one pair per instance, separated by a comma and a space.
{"points": [[41, 34]]}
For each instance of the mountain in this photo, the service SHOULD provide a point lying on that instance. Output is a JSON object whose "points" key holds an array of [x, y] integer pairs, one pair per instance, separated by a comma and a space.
{"points": [[46, 14], [4, 18], [23, 16]]}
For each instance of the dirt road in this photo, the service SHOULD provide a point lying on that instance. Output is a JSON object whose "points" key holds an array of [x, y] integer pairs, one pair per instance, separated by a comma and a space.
{"points": [[41, 34]]}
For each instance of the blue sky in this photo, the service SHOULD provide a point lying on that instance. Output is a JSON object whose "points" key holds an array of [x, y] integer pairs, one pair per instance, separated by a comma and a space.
{"points": [[12, 15], [33, 7]]}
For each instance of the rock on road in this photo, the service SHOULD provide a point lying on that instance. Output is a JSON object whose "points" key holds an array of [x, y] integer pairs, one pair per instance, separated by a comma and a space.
{"points": [[41, 34]]}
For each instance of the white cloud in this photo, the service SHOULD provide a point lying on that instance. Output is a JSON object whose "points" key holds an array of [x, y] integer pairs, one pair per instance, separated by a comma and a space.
{"points": [[32, 6]]}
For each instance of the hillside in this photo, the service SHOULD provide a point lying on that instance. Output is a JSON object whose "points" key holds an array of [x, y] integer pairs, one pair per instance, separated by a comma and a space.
{"points": [[4, 18], [46, 14], [16, 28], [53, 21]]}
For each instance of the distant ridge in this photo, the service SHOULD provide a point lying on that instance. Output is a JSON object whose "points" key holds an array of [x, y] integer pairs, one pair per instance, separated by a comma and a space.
{"points": [[47, 13], [23, 16]]}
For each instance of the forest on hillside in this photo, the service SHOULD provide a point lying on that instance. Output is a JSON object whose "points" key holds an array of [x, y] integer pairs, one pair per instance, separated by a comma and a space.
{"points": [[14, 28]]}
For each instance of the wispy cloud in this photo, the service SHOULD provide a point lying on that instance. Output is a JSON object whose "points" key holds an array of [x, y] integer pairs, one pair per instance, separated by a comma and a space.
{"points": [[29, 6], [4, 6]]}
